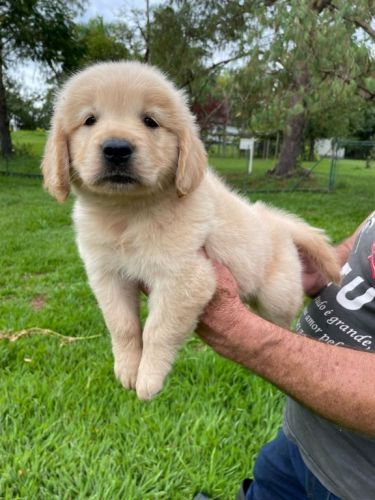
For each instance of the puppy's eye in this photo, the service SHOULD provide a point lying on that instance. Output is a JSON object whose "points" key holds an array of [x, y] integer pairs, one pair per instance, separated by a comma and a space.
{"points": [[150, 122], [90, 121]]}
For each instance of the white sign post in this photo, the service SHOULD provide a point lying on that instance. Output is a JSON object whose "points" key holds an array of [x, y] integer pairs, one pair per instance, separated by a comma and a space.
{"points": [[247, 144]]}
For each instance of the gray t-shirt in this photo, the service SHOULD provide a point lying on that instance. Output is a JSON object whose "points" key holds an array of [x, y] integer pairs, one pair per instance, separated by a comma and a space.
{"points": [[343, 461]]}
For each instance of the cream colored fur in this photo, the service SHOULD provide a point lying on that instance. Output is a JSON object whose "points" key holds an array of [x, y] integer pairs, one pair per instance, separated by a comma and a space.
{"points": [[151, 232]]}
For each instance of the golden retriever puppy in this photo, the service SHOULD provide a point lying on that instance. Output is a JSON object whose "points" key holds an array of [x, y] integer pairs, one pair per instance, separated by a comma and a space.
{"points": [[123, 136]]}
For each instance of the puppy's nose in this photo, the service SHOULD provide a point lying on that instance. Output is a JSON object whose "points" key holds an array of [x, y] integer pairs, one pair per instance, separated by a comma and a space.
{"points": [[117, 151]]}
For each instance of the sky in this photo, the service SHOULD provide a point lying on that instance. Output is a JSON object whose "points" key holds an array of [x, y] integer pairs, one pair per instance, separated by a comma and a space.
{"points": [[109, 9]]}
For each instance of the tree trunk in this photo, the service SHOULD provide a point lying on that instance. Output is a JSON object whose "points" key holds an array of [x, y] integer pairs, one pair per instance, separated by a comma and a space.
{"points": [[293, 134], [276, 154], [291, 146], [311, 149], [5, 138], [147, 36], [295, 126]]}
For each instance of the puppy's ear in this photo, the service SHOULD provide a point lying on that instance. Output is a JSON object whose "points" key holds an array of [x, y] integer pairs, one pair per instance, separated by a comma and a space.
{"points": [[55, 164], [192, 162]]}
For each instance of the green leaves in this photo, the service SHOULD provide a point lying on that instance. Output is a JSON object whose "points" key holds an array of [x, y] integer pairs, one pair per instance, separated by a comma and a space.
{"points": [[102, 42], [297, 109], [41, 30], [370, 84]]}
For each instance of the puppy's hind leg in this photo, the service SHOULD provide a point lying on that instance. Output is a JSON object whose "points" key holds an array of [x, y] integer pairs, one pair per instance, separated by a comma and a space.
{"points": [[281, 293], [279, 306], [174, 307]]}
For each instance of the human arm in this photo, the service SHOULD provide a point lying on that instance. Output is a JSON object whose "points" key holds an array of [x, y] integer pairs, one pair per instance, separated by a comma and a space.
{"points": [[336, 382]]}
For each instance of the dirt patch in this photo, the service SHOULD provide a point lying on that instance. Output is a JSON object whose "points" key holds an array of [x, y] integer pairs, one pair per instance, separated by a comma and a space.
{"points": [[38, 302]]}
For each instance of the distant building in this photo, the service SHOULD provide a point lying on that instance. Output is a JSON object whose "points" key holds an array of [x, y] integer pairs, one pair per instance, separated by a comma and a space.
{"points": [[223, 134], [13, 124], [325, 148]]}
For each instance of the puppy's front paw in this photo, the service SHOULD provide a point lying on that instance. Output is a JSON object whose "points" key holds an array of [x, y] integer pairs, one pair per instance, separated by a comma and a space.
{"points": [[148, 386], [126, 370]]}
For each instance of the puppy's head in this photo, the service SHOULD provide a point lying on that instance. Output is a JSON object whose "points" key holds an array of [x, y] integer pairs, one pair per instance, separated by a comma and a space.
{"points": [[122, 128]]}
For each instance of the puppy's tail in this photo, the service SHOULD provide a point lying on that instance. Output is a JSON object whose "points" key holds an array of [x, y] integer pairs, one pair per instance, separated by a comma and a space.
{"points": [[315, 245], [312, 243]]}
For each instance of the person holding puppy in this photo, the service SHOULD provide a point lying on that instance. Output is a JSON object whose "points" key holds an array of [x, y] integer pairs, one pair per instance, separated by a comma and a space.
{"points": [[326, 447]]}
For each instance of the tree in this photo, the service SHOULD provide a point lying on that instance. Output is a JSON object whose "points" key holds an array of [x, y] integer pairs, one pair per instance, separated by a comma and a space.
{"points": [[181, 36], [314, 24], [337, 114], [102, 41], [40, 30], [308, 54], [365, 130], [29, 110]]}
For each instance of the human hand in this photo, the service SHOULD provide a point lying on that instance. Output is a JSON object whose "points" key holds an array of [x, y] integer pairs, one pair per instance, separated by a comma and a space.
{"points": [[312, 278], [222, 313]]}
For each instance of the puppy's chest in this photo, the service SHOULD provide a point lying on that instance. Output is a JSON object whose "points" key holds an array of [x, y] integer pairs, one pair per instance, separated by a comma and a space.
{"points": [[146, 239], [138, 246]]}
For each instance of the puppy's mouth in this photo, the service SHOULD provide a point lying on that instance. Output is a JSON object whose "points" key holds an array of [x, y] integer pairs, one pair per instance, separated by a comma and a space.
{"points": [[117, 178]]}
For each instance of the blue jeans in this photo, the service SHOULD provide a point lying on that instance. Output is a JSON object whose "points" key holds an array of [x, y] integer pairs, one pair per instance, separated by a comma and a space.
{"points": [[280, 474]]}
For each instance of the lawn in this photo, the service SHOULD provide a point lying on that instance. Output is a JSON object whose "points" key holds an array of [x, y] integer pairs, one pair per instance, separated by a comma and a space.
{"points": [[68, 430]]}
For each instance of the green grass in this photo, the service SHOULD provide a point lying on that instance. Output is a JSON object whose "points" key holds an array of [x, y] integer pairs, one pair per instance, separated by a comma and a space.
{"points": [[313, 176], [28, 148], [68, 430], [33, 140]]}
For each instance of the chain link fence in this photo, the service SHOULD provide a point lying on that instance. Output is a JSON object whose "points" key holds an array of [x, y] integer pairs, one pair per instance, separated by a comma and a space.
{"points": [[27, 154], [351, 157], [345, 159], [319, 169]]}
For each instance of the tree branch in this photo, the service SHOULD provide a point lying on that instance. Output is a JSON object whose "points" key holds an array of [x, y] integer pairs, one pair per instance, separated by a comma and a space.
{"points": [[362, 24], [362, 91], [320, 5], [358, 22], [208, 117], [216, 65]]}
